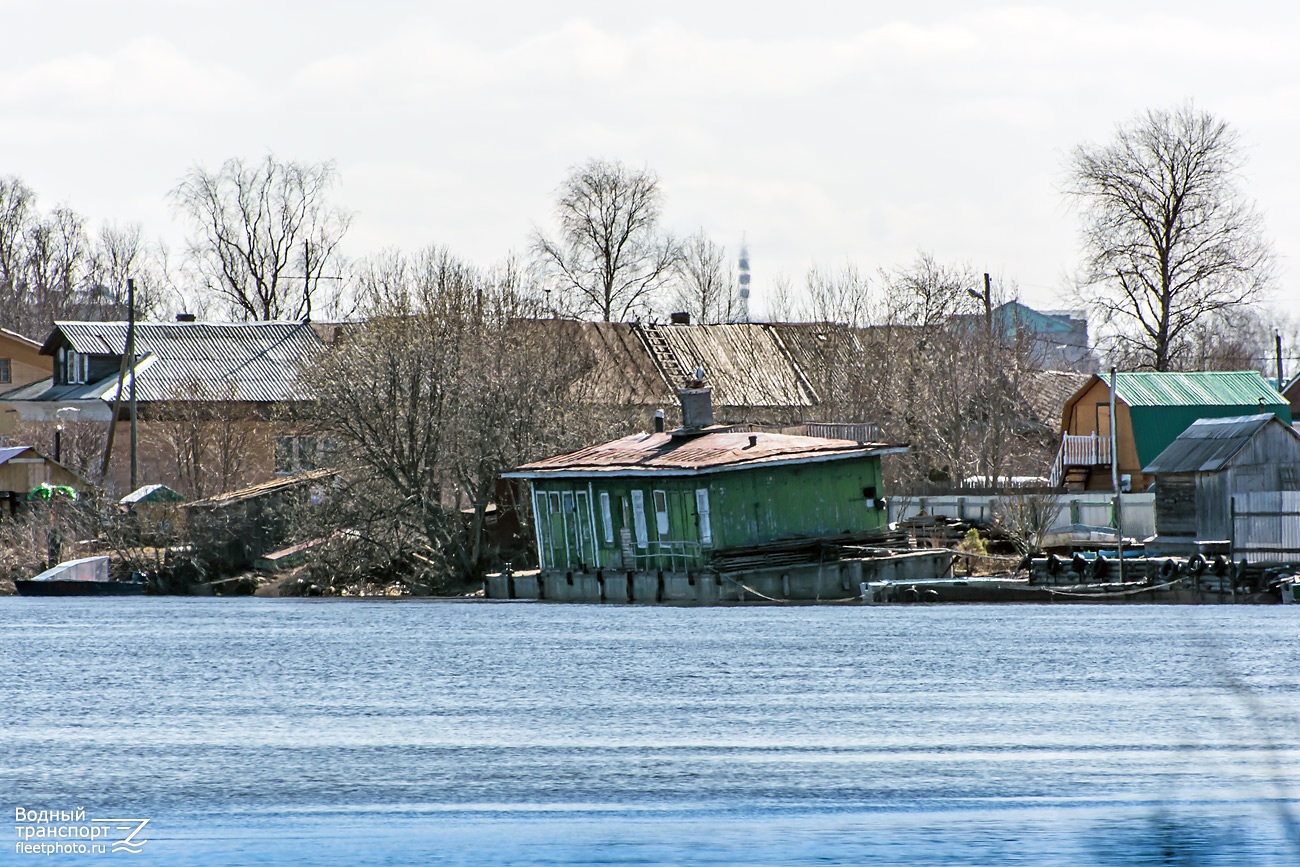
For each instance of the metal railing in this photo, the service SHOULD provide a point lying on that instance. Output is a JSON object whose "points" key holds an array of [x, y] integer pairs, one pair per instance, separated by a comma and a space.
{"points": [[677, 555]]}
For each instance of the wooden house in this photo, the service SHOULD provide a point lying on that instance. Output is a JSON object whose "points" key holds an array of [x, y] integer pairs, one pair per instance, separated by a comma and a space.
{"points": [[23, 468], [194, 383], [665, 502], [1151, 410], [1214, 460], [21, 361]]}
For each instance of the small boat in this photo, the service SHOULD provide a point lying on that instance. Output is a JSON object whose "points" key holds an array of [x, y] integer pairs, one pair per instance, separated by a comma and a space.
{"points": [[87, 576]]}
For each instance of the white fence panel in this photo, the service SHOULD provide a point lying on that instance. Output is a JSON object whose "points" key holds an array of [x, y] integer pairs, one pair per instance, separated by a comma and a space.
{"points": [[1095, 509]]}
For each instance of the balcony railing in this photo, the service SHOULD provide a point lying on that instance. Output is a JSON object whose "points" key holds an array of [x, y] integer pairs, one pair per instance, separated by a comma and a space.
{"points": [[1090, 450]]}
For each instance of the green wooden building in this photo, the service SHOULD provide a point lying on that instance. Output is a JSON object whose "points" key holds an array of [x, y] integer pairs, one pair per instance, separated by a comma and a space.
{"points": [[664, 501]]}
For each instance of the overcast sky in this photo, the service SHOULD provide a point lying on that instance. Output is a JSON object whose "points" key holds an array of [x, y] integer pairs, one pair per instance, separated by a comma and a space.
{"points": [[825, 132]]}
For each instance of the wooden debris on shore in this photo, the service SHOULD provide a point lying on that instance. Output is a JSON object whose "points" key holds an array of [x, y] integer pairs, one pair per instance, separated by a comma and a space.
{"points": [[817, 549]]}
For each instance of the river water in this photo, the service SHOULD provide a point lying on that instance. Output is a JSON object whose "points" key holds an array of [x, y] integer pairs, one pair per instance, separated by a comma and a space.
{"points": [[261, 731]]}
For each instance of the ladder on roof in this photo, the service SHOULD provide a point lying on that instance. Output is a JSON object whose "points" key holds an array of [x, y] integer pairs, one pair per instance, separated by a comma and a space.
{"points": [[664, 357]]}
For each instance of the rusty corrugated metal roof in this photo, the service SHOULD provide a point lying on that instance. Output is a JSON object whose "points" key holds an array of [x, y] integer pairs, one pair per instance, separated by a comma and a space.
{"points": [[666, 454]]}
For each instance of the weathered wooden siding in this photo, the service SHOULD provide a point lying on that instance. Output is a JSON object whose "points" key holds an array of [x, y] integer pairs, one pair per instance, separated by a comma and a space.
{"points": [[1209, 509], [21, 474], [808, 499], [673, 522], [1269, 462], [1176, 513]]}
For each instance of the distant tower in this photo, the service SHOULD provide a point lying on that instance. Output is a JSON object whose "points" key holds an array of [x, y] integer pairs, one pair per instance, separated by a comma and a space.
{"points": [[744, 280]]}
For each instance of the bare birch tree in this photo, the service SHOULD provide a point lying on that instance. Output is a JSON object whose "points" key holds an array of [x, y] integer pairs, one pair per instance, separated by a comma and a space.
{"points": [[265, 234], [17, 203], [780, 304], [609, 259], [704, 284], [52, 266], [1169, 237]]}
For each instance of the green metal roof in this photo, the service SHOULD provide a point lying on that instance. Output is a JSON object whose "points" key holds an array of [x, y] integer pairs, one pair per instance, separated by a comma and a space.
{"points": [[1163, 405], [1239, 388]]}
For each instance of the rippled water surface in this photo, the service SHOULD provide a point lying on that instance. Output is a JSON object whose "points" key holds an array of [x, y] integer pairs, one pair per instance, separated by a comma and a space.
{"points": [[316, 732]]}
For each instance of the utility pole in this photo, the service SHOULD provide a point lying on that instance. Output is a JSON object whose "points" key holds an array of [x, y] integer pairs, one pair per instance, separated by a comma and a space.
{"points": [[1277, 336], [1114, 481], [130, 348]]}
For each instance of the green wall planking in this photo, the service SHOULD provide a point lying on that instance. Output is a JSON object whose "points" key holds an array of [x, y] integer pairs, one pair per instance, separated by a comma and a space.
{"points": [[673, 522]]}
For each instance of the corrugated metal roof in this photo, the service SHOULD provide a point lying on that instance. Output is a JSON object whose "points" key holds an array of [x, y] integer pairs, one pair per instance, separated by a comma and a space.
{"points": [[11, 452], [243, 495], [1208, 444], [663, 453], [247, 361], [45, 389], [152, 494], [1211, 388]]}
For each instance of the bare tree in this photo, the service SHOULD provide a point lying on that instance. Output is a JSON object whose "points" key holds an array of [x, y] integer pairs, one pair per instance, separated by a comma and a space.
{"points": [[933, 371], [265, 234], [705, 286], [842, 296], [780, 305], [53, 267], [929, 293], [1026, 518], [450, 381], [17, 204], [121, 252], [202, 439], [609, 259], [1169, 237]]}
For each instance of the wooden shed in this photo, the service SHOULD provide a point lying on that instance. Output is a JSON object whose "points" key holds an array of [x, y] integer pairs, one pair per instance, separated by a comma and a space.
{"points": [[23, 468], [1214, 459], [1151, 410]]}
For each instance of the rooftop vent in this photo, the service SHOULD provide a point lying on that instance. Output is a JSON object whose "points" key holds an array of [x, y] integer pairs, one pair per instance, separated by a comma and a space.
{"points": [[185, 317], [682, 318]]}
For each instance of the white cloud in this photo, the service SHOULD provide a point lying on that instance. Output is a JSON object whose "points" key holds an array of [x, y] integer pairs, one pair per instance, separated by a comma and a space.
{"points": [[941, 130]]}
